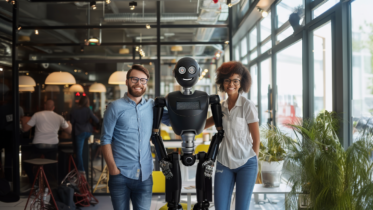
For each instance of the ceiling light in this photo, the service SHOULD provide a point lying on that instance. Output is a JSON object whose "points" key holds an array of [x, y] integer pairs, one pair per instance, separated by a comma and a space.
{"points": [[60, 78], [124, 51], [206, 70], [19, 28], [26, 89], [176, 48], [230, 5], [226, 42], [264, 13], [118, 78], [13, 2], [23, 38], [148, 26], [93, 41], [1, 69], [132, 5], [108, 1], [36, 32], [26, 81], [97, 88], [76, 88], [93, 5], [137, 48]]}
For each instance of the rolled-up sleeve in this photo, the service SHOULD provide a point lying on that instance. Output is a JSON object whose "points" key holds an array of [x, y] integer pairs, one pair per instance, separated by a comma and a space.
{"points": [[110, 119]]}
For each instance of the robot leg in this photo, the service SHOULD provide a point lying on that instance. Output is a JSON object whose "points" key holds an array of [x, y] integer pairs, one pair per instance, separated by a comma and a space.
{"points": [[173, 185], [203, 185]]}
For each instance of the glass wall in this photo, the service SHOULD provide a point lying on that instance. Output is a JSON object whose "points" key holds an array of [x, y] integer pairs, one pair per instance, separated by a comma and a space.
{"points": [[322, 68], [254, 87], [289, 86], [362, 66], [266, 91]]}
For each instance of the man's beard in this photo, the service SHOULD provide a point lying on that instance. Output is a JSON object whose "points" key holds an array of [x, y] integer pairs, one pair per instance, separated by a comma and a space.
{"points": [[136, 93]]}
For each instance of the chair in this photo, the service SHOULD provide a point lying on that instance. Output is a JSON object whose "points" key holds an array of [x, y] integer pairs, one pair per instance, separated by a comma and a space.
{"points": [[104, 177], [37, 195], [159, 182], [202, 148]]}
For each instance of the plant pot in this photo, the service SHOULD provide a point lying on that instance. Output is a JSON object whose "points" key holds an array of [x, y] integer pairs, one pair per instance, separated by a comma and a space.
{"points": [[271, 173], [304, 201]]}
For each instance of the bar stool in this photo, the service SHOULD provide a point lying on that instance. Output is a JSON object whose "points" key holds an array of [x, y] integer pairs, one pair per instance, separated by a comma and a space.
{"points": [[84, 197], [38, 200]]}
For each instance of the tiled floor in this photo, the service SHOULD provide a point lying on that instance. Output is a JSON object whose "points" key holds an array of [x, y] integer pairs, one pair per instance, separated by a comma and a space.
{"points": [[157, 202]]}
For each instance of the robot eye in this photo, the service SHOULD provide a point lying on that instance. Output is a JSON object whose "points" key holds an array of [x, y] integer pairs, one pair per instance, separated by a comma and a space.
{"points": [[182, 70], [192, 70]]}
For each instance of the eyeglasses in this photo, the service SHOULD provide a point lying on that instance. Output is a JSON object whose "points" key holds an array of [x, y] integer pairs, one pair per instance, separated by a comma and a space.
{"points": [[143, 81], [235, 81]]}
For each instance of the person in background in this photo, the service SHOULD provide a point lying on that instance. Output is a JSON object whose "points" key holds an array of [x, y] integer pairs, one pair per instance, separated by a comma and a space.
{"points": [[47, 124], [80, 118], [126, 133], [237, 159]]}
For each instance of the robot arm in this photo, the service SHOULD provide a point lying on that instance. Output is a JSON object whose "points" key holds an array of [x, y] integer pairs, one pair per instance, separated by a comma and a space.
{"points": [[160, 150], [217, 138]]}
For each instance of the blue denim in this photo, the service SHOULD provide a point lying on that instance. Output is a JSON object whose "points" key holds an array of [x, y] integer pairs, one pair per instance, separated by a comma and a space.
{"points": [[79, 149], [122, 189], [244, 177]]}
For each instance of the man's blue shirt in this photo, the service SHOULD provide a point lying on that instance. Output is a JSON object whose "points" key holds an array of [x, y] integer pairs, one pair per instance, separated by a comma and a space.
{"points": [[128, 127]]}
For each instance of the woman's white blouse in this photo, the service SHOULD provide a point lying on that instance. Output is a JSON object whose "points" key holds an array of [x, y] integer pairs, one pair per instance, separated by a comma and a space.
{"points": [[236, 147]]}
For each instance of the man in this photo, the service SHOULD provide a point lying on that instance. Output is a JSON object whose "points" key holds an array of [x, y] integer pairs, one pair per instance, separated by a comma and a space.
{"points": [[126, 133], [45, 141]]}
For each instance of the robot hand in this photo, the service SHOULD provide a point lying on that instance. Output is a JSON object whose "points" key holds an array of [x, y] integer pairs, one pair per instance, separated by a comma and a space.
{"points": [[209, 167], [165, 165]]}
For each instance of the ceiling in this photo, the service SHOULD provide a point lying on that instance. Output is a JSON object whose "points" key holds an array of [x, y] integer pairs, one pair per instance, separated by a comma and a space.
{"points": [[116, 13]]}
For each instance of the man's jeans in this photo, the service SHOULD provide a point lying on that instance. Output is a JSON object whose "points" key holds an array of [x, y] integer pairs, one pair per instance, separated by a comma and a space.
{"points": [[122, 189]]}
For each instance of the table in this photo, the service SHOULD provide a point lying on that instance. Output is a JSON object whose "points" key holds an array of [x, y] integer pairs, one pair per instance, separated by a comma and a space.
{"points": [[258, 189]]}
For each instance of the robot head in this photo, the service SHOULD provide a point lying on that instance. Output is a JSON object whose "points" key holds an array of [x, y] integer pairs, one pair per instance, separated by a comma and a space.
{"points": [[187, 72]]}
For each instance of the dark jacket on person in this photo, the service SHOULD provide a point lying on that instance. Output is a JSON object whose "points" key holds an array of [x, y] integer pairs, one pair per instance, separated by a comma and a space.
{"points": [[80, 119]]}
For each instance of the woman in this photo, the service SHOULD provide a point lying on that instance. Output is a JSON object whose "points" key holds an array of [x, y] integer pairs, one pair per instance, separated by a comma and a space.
{"points": [[82, 128], [237, 159]]}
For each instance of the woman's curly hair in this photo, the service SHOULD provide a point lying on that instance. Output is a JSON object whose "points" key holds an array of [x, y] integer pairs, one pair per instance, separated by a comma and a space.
{"points": [[227, 69]]}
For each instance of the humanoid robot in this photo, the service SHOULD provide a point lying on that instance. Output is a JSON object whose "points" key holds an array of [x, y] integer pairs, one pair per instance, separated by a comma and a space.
{"points": [[187, 112]]}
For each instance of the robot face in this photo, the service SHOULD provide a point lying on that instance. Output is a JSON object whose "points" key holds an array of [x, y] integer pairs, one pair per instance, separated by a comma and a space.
{"points": [[187, 72]]}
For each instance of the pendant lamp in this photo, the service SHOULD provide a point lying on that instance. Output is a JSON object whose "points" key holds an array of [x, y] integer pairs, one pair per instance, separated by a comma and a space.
{"points": [[26, 89], [118, 78], [60, 78], [97, 88], [52, 88], [76, 88], [26, 81]]}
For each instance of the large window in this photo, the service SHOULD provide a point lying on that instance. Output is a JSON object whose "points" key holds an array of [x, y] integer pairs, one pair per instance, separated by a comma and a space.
{"points": [[287, 7], [362, 65], [265, 28], [254, 86], [243, 46], [322, 67], [253, 38], [323, 7], [289, 86], [266, 89]]}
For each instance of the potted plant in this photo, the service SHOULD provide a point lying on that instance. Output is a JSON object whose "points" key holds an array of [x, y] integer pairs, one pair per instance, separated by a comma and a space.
{"points": [[326, 175], [272, 155], [294, 17]]}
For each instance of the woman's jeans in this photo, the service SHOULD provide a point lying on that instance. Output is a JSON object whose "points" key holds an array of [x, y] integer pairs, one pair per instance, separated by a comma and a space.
{"points": [[79, 149], [244, 177], [122, 189]]}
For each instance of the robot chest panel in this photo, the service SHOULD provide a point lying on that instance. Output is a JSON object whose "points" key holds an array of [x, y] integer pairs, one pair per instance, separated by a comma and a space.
{"points": [[187, 112]]}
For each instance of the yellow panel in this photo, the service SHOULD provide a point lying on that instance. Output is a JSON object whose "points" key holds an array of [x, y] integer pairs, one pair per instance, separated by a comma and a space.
{"points": [[159, 182]]}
